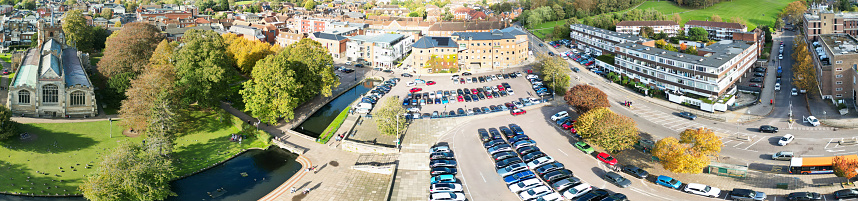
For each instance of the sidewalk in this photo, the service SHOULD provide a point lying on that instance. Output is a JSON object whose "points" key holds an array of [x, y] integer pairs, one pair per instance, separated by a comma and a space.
{"points": [[827, 114]]}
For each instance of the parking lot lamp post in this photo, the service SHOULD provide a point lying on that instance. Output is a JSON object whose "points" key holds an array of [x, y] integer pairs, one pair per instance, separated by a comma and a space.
{"points": [[824, 116]]}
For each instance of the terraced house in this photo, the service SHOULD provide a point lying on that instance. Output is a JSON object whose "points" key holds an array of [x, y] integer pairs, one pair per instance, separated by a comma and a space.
{"points": [[670, 28]]}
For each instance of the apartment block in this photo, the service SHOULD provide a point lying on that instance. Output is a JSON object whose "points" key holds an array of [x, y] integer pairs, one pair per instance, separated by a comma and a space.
{"points": [[670, 28], [820, 22], [837, 70], [336, 44], [599, 41], [430, 47], [497, 49], [381, 50], [717, 30]]}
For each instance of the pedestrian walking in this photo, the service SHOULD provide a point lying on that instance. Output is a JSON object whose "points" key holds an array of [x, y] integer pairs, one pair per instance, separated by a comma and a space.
{"points": [[293, 190]]}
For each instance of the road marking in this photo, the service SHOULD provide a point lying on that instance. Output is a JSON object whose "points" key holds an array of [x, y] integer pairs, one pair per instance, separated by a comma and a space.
{"points": [[738, 144], [561, 151], [484, 178], [829, 143], [749, 146], [829, 150], [728, 141]]}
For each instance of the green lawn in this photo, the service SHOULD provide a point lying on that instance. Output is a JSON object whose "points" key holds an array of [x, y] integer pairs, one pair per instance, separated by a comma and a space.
{"points": [[6, 57], [546, 28], [755, 12], [244, 2], [74, 146]]}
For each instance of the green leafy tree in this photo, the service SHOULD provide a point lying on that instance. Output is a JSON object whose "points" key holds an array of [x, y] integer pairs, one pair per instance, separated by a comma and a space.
{"points": [[8, 128], [317, 74], [34, 44], [107, 13], [561, 31], [202, 65], [691, 50], [555, 73], [698, 34], [309, 4], [130, 172], [163, 123], [606, 129], [390, 117], [647, 32], [76, 30], [779, 23], [271, 94], [584, 98]]}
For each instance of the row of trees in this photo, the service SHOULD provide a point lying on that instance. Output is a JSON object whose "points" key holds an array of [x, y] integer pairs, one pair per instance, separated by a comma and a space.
{"points": [[597, 123], [794, 12], [697, 3], [567, 9], [804, 72]]}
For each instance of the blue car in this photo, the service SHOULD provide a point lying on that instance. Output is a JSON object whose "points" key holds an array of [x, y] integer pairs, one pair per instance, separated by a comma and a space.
{"points": [[518, 177], [669, 182], [561, 120], [444, 179], [406, 102]]}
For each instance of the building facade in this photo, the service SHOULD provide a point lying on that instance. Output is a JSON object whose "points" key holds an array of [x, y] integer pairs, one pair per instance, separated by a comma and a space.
{"points": [[430, 47], [51, 80], [336, 44], [496, 49], [717, 30], [837, 72], [599, 41], [821, 22], [382, 50], [670, 28]]}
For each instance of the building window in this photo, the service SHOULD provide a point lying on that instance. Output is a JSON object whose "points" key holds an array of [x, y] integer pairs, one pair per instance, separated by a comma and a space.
{"points": [[839, 76], [23, 97], [50, 94], [839, 95], [77, 98], [839, 82], [839, 69], [838, 89], [839, 62]]}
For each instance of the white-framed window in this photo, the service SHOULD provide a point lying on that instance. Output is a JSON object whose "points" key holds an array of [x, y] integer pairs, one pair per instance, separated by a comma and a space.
{"points": [[838, 89], [50, 93], [77, 98], [839, 76], [23, 97], [839, 82]]}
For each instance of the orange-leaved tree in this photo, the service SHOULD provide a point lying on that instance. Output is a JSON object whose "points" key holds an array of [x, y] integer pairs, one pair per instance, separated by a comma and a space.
{"points": [[689, 154], [607, 129], [585, 97], [844, 167]]}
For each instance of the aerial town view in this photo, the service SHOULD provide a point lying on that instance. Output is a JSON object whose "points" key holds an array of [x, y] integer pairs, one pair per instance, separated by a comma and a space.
{"points": [[407, 100]]}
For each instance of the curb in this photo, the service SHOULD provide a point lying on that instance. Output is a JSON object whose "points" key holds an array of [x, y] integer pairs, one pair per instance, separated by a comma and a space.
{"points": [[280, 190]]}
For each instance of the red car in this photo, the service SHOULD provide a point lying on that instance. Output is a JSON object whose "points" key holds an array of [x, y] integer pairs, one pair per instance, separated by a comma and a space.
{"points": [[568, 125], [500, 88], [474, 91], [430, 83], [607, 158], [573, 130], [416, 89], [5, 72], [517, 112], [754, 85], [460, 99]]}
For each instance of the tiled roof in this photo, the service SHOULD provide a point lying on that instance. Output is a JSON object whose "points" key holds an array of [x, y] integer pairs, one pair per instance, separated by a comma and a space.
{"points": [[431, 41], [328, 36], [716, 24], [647, 23], [74, 70]]}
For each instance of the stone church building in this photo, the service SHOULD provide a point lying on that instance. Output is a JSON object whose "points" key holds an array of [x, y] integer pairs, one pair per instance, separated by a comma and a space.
{"points": [[51, 80]]}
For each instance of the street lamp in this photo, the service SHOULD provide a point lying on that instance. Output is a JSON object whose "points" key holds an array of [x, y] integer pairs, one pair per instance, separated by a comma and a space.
{"points": [[110, 122]]}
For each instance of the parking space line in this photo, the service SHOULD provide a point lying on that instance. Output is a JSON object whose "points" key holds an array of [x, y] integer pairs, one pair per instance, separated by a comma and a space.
{"points": [[561, 151], [829, 143], [484, 178], [738, 144], [749, 146]]}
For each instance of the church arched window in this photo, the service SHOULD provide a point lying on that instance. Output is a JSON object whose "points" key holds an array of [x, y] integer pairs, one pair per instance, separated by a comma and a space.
{"points": [[23, 97], [50, 94], [77, 98]]}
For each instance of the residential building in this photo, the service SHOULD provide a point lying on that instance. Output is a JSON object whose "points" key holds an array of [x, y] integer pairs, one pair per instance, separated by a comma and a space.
{"points": [[433, 13], [717, 30], [599, 41], [248, 32], [463, 13], [336, 44], [837, 70], [286, 38], [446, 29], [51, 80], [432, 47], [496, 49], [670, 28], [381, 50], [820, 22]]}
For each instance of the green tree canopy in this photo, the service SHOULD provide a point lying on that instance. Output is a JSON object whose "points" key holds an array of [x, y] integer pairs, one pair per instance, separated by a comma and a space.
{"points": [[130, 172], [272, 93], [698, 34], [8, 128], [390, 117], [609, 130], [309, 4], [76, 30], [201, 66], [317, 74]]}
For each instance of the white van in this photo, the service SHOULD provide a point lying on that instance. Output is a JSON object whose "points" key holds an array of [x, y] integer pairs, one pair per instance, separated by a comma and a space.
{"points": [[363, 108]]}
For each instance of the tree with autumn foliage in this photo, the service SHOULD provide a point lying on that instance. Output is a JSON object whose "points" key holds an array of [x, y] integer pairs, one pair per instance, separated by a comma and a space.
{"points": [[607, 129], [804, 72], [245, 53], [692, 152], [794, 12], [844, 167], [555, 73], [145, 89], [127, 52], [584, 98]]}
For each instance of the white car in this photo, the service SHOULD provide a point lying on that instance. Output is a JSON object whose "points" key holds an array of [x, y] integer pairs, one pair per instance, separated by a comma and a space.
{"points": [[700, 189], [534, 100], [577, 190], [539, 162], [794, 91], [414, 109], [495, 89], [439, 149], [454, 77], [348, 63], [780, 56], [551, 197], [445, 188], [559, 115], [432, 95], [534, 192], [786, 139], [509, 91], [812, 121], [531, 76], [447, 196], [525, 185], [411, 84], [518, 104], [777, 86]]}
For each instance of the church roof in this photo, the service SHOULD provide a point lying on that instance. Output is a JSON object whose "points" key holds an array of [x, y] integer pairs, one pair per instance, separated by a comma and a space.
{"points": [[53, 45], [74, 70], [51, 64], [29, 71]]}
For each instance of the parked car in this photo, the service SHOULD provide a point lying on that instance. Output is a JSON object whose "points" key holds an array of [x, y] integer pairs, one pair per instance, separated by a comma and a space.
{"points": [[577, 191], [546, 168], [442, 163], [492, 143], [441, 148], [667, 181], [617, 179], [606, 158], [445, 187], [526, 150], [794, 92], [441, 155], [747, 195], [517, 112], [783, 155], [846, 193], [786, 139], [812, 121], [557, 175], [768, 129], [534, 192], [539, 162], [442, 171], [524, 143], [532, 156], [583, 146], [616, 197], [688, 115], [447, 196], [804, 196], [407, 75], [700, 189], [594, 195], [415, 89], [512, 169], [519, 176], [507, 162], [635, 171], [561, 185], [499, 148], [448, 178], [504, 155], [524, 185]]}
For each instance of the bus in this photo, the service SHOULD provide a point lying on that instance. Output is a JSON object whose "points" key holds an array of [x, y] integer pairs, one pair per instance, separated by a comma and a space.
{"points": [[814, 165]]}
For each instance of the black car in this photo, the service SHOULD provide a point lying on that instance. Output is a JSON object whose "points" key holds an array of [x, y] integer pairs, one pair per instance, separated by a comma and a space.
{"points": [[549, 53], [477, 110], [760, 69], [516, 128], [466, 73], [503, 155], [460, 92], [505, 85], [688, 115], [467, 91], [475, 97], [494, 109], [525, 150], [481, 79], [846, 193], [746, 194], [441, 155], [492, 143], [594, 195], [517, 138], [442, 163], [407, 75], [635, 171], [759, 75], [507, 162], [460, 112], [804, 196], [616, 197], [768, 129], [495, 134], [557, 175], [532, 156], [442, 170], [575, 69], [484, 135], [467, 98], [756, 79]]}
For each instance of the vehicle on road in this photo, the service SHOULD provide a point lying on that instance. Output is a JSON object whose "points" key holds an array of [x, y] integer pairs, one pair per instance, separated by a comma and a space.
{"points": [[815, 165], [606, 158], [747, 195], [777, 86], [577, 191], [768, 129], [407, 75], [447, 196], [755, 85], [445, 187], [447, 178], [812, 121], [617, 179], [688, 115], [667, 181], [635, 171], [794, 91], [804, 196], [786, 139], [415, 89], [846, 193], [583, 146], [700, 189], [783, 155], [559, 115]]}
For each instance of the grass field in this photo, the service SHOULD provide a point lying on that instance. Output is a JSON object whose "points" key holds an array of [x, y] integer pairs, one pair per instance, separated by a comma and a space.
{"points": [[6, 57], [244, 2], [546, 28], [55, 159], [755, 12]]}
